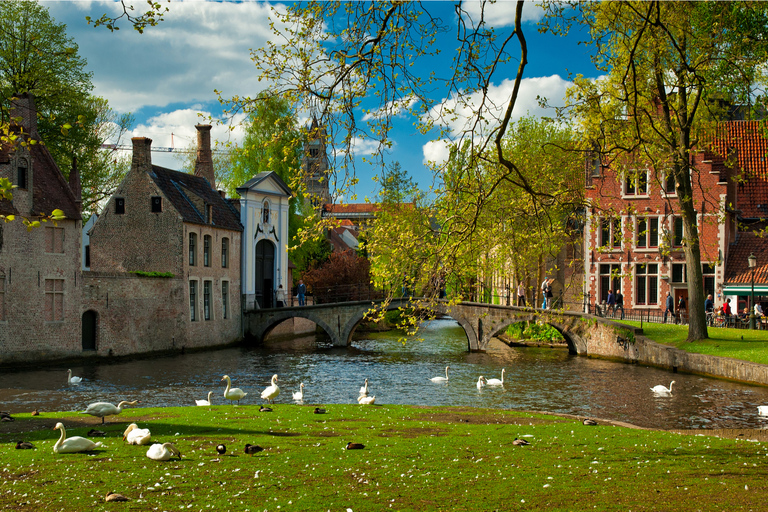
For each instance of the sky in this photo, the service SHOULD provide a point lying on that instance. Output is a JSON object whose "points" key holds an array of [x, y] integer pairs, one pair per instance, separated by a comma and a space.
{"points": [[167, 76]]}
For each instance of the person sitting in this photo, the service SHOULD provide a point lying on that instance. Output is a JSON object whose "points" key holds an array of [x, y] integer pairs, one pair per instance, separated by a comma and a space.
{"points": [[759, 310], [709, 304]]}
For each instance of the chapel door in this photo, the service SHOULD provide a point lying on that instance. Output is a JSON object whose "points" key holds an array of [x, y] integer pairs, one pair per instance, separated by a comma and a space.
{"points": [[265, 270]]}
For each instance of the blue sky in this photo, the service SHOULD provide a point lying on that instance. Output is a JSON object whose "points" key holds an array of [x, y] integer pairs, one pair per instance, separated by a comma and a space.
{"points": [[167, 76]]}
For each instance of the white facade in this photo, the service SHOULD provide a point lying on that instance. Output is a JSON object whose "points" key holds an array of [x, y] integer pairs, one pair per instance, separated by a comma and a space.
{"points": [[264, 212]]}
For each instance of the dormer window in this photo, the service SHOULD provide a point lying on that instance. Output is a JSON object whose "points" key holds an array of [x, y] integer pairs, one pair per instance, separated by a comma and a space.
{"points": [[157, 204], [265, 212]]}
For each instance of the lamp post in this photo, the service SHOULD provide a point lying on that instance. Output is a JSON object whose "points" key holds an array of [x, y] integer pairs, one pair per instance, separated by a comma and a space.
{"points": [[752, 264]]}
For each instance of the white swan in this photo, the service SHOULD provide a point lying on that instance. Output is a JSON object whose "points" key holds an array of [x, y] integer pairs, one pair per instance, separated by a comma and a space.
{"points": [[103, 409], [496, 382], [271, 391], [366, 400], [135, 435], [661, 390], [762, 410], [73, 380], [364, 389], [299, 395], [163, 451], [480, 382], [73, 444], [205, 402], [232, 393], [441, 379]]}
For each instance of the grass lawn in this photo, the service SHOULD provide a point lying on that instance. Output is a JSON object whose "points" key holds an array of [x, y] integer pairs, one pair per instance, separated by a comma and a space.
{"points": [[736, 343], [415, 458]]}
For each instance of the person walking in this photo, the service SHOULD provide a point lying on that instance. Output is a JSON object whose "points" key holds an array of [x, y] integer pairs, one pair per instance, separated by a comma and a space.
{"points": [[544, 293], [681, 310], [521, 295], [611, 303], [669, 307], [301, 293], [619, 303], [280, 297], [548, 293]]}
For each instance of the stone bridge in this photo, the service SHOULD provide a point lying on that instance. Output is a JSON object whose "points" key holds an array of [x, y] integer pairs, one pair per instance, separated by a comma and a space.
{"points": [[585, 334]]}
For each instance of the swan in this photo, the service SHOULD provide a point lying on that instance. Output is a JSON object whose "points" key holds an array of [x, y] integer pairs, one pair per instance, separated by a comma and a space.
{"points": [[364, 389], [103, 409], [232, 393], [366, 400], [480, 382], [299, 395], [73, 444], [163, 451], [135, 435], [271, 391], [496, 382], [441, 379], [73, 380], [205, 402], [762, 410], [661, 390]]}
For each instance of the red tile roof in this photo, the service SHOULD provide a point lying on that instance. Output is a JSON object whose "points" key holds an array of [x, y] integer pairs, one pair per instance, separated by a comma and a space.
{"points": [[352, 208], [737, 269]]}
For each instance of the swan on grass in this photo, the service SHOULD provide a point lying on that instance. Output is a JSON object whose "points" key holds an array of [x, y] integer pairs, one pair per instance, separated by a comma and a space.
{"points": [[163, 451], [232, 393], [366, 400], [203, 403], [480, 382], [73, 380], [104, 409], [659, 389], [135, 435], [72, 444], [364, 389], [496, 382], [441, 379], [271, 391], [299, 395]]}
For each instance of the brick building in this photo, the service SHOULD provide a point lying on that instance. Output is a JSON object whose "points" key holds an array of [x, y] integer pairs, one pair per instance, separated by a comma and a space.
{"points": [[40, 277]]}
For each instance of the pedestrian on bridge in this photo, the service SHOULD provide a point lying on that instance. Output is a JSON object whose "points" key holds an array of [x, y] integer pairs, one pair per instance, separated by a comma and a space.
{"points": [[521, 295], [301, 292]]}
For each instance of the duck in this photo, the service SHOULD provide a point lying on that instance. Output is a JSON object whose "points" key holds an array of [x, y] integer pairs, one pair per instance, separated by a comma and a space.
{"points": [[366, 400], [520, 442], [589, 422], [299, 395], [441, 379], [113, 496], [73, 444], [661, 390], [264, 408], [364, 389], [163, 451], [73, 381], [135, 435], [250, 449], [203, 403], [271, 391], [6, 416], [232, 393], [762, 410], [221, 449], [318, 410], [480, 382], [104, 409], [96, 433], [24, 445], [355, 446], [496, 382], [35, 413]]}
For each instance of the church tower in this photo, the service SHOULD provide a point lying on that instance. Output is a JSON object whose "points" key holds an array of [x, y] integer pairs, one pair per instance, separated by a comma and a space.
{"points": [[315, 165]]}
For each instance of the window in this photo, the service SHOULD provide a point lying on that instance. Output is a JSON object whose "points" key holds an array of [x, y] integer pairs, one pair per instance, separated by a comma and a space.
{"points": [[677, 235], [192, 249], [708, 271], [157, 204], [636, 183], [647, 232], [2, 298], [54, 240], [207, 251], [265, 212], [669, 183], [21, 174], [87, 256], [610, 233], [313, 152], [224, 252], [610, 279], [119, 205], [225, 298], [679, 273], [597, 165], [193, 300], [647, 284], [54, 300], [207, 300]]}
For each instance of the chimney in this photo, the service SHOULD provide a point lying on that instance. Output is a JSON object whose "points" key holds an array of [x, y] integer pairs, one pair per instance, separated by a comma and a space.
{"points": [[142, 154], [23, 106], [204, 161], [74, 183]]}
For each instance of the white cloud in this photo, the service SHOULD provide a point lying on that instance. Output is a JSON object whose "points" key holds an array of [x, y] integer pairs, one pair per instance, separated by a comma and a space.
{"points": [[502, 12]]}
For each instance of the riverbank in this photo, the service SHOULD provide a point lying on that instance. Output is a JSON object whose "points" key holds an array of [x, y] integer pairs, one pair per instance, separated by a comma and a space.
{"points": [[414, 458]]}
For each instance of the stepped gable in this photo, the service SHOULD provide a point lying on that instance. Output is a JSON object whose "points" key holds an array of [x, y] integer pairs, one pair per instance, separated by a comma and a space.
{"points": [[737, 267], [189, 195]]}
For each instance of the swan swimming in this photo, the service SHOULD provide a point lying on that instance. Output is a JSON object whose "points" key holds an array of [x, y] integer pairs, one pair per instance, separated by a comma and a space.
{"points": [[163, 451], [762, 410], [480, 382], [103, 409], [232, 393], [364, 389], [661, 390], [135, 435], [271, 391], [299, 395], [203, 403], [441, 379], [73, 444], [496, 382], [73, 380], [366, 400]]}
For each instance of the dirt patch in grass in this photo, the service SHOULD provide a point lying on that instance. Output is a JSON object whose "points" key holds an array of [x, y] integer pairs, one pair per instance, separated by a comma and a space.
{"points": [[412, 432]]}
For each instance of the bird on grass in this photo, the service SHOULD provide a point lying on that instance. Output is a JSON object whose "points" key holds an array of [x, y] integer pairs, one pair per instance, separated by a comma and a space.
{"points": [[264, 408], [104, 409], [222, 449], [589, 421], [73, 444], [163, 451], [6, 416], [113, 496], [73, 381], [366, 400], [232, 393], [319, 410], [271, 391], [24, 445], [35, 413], [135, 435], [355, 446], [96, 433], [250, 449], [520, 442]]}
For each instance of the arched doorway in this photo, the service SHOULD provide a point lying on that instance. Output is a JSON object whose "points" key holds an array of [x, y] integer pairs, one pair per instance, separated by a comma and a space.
{"points": [[89, 330], [265, 271]]}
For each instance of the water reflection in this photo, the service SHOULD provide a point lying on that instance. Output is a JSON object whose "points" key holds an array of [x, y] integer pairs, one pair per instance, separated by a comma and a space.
{"points": [[536, 379]]}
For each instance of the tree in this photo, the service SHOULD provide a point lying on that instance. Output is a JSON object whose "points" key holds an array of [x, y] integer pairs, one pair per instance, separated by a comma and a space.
{"points": [[345, 276], [670, 69], [396, 186]]}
